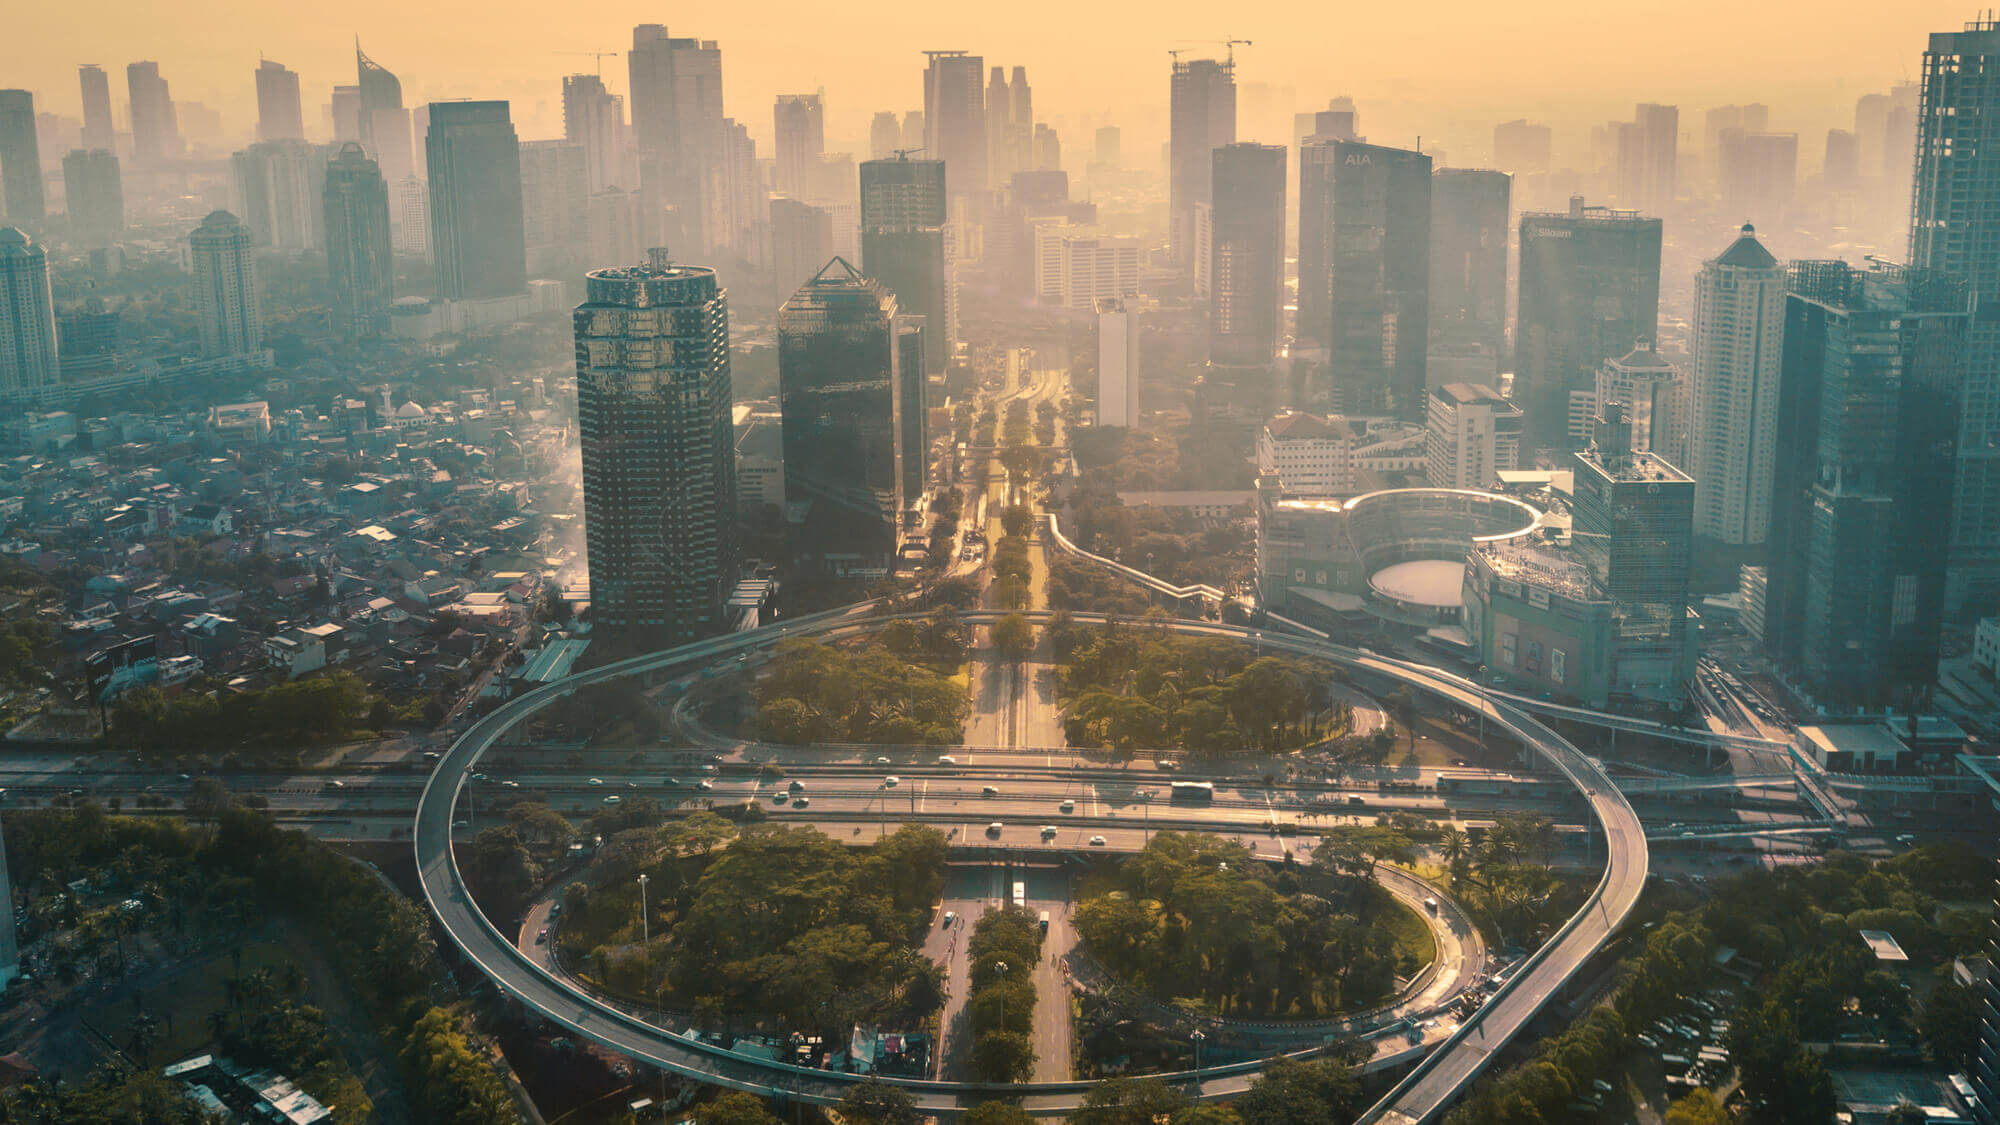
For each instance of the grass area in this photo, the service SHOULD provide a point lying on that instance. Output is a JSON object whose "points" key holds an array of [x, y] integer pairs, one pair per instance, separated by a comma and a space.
{"points": [[182, 1002], [1413, 933]]}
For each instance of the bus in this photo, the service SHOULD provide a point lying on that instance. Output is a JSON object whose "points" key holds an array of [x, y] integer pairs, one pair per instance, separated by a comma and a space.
{"points": [[1021, 895], [1192, 792]]}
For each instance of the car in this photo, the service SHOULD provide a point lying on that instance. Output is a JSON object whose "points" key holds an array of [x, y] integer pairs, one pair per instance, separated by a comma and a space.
{"points": [[510, 783], [715, 757], [1067, 806], [802, 802], [891, 781], [671, 782], [555, 908], [779, 798], [1048, 831], [543, 937], [631, 785], [947, 760], [990, 791], [881, 761], [1167, 764], [596, 781], [1097, 841], [705, 785], [461, 824], [336, 783], [995, 828], [950, 916], [185, 777], [1907, 838], [613, 799], [796, 787]]}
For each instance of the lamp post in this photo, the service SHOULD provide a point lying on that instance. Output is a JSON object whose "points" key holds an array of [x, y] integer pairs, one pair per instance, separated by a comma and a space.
{"points": [[1197, 1036], [645, 929], [1001, 968]]}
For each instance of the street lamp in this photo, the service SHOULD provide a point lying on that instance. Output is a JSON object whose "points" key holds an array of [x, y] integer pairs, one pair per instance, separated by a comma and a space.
{"points": [[645, 929], [1197, 1036], [1001, 968]]}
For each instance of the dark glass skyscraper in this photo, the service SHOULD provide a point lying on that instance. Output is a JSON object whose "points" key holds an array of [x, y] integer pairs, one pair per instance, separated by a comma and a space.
{"points": [[359, 251], [1590, 290], [659, 466], [477, 234], [1364, 271], [842, 396], [1202, 118], [20, 161], [904, 244], [1247, 288], [1633, 527], [1868, 412], [1469, 212]]}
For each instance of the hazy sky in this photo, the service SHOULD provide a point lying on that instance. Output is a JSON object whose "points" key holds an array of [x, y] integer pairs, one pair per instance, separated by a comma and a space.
{"points": [[1567, 62]]}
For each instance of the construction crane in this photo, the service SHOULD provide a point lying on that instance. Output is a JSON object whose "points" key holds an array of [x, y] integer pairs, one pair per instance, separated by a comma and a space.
{"points": [[904, 153], [1229, 44], [598, 55]]}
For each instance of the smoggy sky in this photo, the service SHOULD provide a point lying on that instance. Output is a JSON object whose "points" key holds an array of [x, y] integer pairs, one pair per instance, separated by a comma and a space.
{"points": [[1447, 64]]}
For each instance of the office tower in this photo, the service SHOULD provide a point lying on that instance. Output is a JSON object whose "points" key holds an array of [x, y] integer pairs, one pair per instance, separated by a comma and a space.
{"points": [[1655, 401], [1759, 174], [595, 118], [555, 203], [676, 92], [20, 161], [1117, 362], [225, 283], [1109, 152], [1736, 345], [1247, 288], [1954, 212], [201, 126], [279, 114], [1047, 149], [614, 226], [743, 204], [799, 124], [1719, 122], [913, 131], [1201, 119], [97, 129], [1077, 267], [840, 392], [87, 340], [905, 245], [659, 471], [1654, 164], [1522, 147], [954, 123], [27, 314], [1867, 416], [1471, 434], [1001, 162], [1022, 107], [412, 218], [913, 426], [1468, 279], [1885, 129], [1364, 271], [1632, 525], [345, 111], [383, 122], [156, 136], [96, 197], [478, 232], [359, 255], [1589, 289], [885, 136], [1309, 454], [277, 189], [801, 242]]}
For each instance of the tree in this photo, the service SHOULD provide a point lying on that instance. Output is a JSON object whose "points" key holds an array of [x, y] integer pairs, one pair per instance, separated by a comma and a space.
{"points": [[878, 1103], [1013, 637], [208, 799], [1949, 1025], [1207, 1115], [1697, 1107], [734, 1108], [1129, 1101], [997, 1113], [1906, 1114], [1003, 1056], [1290, 1092]]}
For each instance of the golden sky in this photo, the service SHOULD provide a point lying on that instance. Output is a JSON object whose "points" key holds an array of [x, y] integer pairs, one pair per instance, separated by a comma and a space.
{"points": [[1567, 62]]}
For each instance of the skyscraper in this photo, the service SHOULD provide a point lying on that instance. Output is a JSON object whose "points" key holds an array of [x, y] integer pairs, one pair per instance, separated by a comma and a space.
{"points": [[1246, 293], [1954, 211], [614, 226], [839, 386], [1840, 168], [1758, 174], [555, 204], [383, 122], [20, 160], [96, 197], [1522, 147], [1004, 155], [905, 246], [156, 135], [1471, 434], [914, 131], [885, 136], [345, 110], [1649, 158], [96, 86], [1868, 413], [276, 189], [1468, 282], [27, 314], [1633, 519], [659, 472], [801, 242], [595, 118], [279, 115], [799, 121], [477, 233], [1117, 362], [359, 255], [955, 122], [225, 282], [677, 119], [1737, 345], [1655, 398], [1589, 290], [1364, 271], [411, 217], [1201, 119]]}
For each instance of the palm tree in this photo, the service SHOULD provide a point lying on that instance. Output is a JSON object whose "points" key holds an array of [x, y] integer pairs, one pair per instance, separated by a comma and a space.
{"points": [[145, 1033], [1454, 844]]}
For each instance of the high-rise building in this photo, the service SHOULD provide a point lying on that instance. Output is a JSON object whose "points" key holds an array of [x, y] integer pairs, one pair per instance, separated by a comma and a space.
{"points": [[1633, 527], [799, 124], [677, 118], [1717, 123], [27, 314], [1108, 153], [1202, 118], [1471, 434], [156, 135], [801, 242], [955, 123], [410, 217], [225, 283], [555, 204], [20, 161], [344, 110], [96, 86], [1364, 272], [95, 195], [1076, 267], [1759, 174], [1522, 147], [1655, 400], [478, 234], [1589, 290], [905, 245], [1117, 362], [1310, 455], [1468, 280], [383, 122], [1737, 345], [914, 131], [659, 473], [360, 259], [1840, 168], [1867, 417], [840, 393], [595, 118], [1955, 210], [1247, 280], [277, 189], [1047, 149], [614, 226], [885, 136], [1649, 158], [280, 117]]}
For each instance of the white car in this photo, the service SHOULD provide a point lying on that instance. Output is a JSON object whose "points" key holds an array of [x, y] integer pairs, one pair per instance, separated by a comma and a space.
{"points": [[597, 781], [613, 799], [947, 760], [882, 761], [1097, 841], [891, 781], [705, 785], [1067, 806]]}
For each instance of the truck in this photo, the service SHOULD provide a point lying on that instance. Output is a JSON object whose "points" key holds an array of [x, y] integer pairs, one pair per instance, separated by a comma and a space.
{"points": [[1045, 923], [1020, 894]]}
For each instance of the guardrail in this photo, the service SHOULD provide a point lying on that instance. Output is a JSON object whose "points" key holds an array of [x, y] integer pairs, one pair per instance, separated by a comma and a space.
{"points": [[1157, 585]]}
